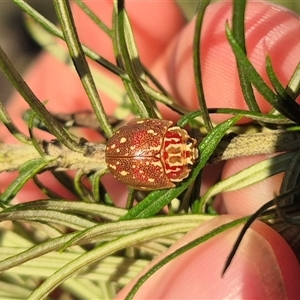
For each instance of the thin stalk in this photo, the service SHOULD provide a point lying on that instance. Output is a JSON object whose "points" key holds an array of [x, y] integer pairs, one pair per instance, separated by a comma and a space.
{"points": [[21, 86], [66, 20], [197, 66]]}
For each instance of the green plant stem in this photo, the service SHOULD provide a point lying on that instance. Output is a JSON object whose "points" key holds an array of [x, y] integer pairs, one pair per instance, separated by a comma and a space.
{"points": [[197, 66], [238, 31], [126, 49], [53, 126], [65, 17], [9, 124]]}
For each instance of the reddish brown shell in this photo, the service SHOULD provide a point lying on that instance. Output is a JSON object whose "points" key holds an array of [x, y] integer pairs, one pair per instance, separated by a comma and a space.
{"points": [[149, 154]]}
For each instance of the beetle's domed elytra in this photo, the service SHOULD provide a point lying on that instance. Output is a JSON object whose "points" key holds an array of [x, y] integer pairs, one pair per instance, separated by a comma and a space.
{"points": [[149, 154]]}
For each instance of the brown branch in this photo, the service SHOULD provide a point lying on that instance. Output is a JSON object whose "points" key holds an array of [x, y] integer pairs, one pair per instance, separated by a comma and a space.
{"points": [[13, 156], [257, 143]]}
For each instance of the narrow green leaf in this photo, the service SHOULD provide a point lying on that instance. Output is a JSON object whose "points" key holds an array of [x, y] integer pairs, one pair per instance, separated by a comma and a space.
{"points": [[50, 193], [35, 122], [64, 14], [48, 217], [280, 90], [293, 87], [257, 116], [81, 189], [289, 213], [251, 175], [21, 86], [238, 24], [289, 109], [33, 140], [95, 180], [27, 171], [94, 17], [77, 207], [127, 55], [197, 64], [238, 31], [291, 181], [292, 174], [66, 180], [9, 124], [249, 221], [98, 253]]}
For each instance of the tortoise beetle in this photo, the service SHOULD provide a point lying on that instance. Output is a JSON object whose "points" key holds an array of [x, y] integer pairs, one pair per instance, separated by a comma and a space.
{"points": [[150, 154]]}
